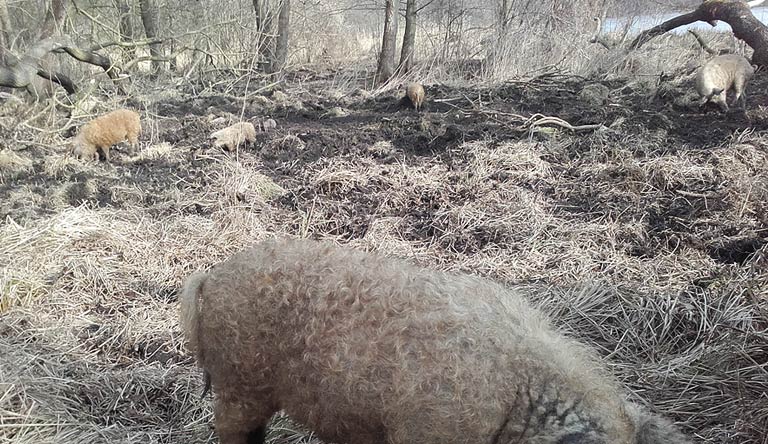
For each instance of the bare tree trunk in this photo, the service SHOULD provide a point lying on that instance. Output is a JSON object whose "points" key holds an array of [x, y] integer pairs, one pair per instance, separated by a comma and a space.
{"points": [[149, 18], [265, 43], [505, 16], [5, 32], [54, 18], [258, 8], [124, 7], [386, 66], [281, 43], [409, 39]]}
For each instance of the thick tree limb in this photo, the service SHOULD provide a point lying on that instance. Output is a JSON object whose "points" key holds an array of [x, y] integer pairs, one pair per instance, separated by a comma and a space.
{"points": [[20, 73], [736, 13], [669, 25], [59, 78], [21, 77]]}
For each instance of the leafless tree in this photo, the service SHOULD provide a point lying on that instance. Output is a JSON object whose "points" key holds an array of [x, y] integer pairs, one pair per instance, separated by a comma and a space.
{"points": [[736, 13], [54, 17], [5, 31], [126, 23], [280, 54], [149, 18], [409, 39], [386, 66]]}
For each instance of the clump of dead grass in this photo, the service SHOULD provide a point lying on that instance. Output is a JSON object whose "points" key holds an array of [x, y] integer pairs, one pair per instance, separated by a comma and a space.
{"points": [[163, 150], [13, 164], [240, 183], [59, 166], [696, 353], [50, 394], [284, 148]]}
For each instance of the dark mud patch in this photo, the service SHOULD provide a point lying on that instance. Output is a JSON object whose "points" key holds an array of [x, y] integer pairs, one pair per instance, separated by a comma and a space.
{"points": [[737, 251], [145, 182], [199, 106]]}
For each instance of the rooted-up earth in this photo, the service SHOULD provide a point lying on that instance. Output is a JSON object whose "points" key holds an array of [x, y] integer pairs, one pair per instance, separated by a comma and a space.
{"points": [[643, 233]]}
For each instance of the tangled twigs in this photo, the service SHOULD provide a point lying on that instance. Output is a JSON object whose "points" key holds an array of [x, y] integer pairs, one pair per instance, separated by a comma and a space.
{"points": [[528, 123], [537, 120]]}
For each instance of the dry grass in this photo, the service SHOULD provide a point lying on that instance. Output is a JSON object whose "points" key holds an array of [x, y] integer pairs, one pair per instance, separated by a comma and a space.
{"points": [[13, 165], [623, 239]]}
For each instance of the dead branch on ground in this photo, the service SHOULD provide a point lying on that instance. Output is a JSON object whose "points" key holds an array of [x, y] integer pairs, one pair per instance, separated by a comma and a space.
{"points": [[518, 122], [539, 120]]}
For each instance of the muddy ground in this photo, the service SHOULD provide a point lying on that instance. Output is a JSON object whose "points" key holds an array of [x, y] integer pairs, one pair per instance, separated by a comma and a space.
{"points": [[662, 200], [312, 132]]}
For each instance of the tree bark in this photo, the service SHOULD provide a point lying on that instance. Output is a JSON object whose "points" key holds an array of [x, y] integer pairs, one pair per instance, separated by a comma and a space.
{"points": [[409, 39], [5, 32], [54, 17], [25, 70], [149, 18], [126, 25], [281, 42], [258, 8], [265, 43], [59, 78], [505, 16], [386, 66], [736, 13]]}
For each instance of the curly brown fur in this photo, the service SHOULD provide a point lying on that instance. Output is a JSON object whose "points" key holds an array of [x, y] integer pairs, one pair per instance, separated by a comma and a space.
{"points": [[233, 136], [189, 318], [416, 94], [107, 130], [721, 74], [369, 350]]}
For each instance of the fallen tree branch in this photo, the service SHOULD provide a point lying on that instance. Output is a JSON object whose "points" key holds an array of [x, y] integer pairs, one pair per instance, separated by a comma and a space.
{"points": [[703, 43], [22, 70], [132, 44], [99, 60], [59, 78], [737, 14], [527, 123], [152, 41], [537, 120]]}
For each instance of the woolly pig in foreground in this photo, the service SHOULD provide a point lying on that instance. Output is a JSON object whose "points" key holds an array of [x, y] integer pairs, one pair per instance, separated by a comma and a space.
{"points": [[368, 350], [107, 130], [722, 73]]}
